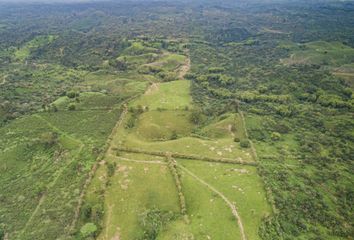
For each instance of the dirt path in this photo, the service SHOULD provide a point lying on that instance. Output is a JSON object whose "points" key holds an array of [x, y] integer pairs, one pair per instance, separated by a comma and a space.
{"points": [[253, 149], [228, 202], [109, 213], [185, 68], [154, 87]]}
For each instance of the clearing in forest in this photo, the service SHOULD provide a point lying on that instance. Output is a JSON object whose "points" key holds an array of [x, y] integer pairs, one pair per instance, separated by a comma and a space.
{"points": [[169, 177]]}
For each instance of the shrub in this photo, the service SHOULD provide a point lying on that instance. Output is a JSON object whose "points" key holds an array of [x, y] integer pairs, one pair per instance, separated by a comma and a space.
{"points": [[174, 135], [97, 212], [236, 139], [86, 211], [88, 230], [275, 136], [71, 107], [111, 169], [49, 139], [130, 123], [2, 233], [152, 221], [72, 94], [196, 116], [216, 70], [245, 143]]}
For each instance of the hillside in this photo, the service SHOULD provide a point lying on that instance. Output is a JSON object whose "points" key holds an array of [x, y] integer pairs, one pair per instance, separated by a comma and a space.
{"points": [[137, 120]]}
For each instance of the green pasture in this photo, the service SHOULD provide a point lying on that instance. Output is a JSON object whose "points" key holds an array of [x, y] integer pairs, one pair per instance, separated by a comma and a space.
{"points": [[241, 185], [171, 96], [210, 217], [332, 54], [134, 189], [156, 125]]}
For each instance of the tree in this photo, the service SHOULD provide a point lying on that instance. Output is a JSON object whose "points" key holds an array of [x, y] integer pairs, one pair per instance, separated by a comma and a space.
{"points": [[111, 167], [88, 230], [196, 116], [54, 108], [49, 139], [130, 123], [245, 143], [72, 107], [2, 233], [72, 94], [275, 136], [174, 135]]}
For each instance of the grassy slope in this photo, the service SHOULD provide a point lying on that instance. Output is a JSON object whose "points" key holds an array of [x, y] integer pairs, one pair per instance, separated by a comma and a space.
{"points": [[320, 52], [241, 185], [134, 189], [39, 175], [171, 96]]}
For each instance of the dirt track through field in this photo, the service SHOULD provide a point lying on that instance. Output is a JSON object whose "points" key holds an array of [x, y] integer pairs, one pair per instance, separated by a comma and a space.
{"points": [[154, 87], [184, 68], [228, 202]]}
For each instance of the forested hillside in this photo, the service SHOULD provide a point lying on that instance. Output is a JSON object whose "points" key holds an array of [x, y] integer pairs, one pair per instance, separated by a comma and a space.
{"points": [[177, 120]]}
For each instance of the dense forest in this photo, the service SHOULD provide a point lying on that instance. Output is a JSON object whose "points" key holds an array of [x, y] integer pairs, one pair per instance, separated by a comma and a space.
{"points": [[67, 70]]}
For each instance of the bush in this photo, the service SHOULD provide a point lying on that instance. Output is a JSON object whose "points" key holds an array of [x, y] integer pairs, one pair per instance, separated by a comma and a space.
{"points": [[88, 230], [2, 233], [72, 94], [275, 136], [236, 139], [152, 221], [111, 167], [216, 70], [196, 116], [49, 139], [245, 143], [130, 123], [86, 212], [174, 135], [71, 107]]}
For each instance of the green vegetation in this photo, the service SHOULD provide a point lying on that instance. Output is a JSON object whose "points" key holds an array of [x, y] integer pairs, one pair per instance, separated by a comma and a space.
{"points": [[25, 51], [321, 53], [177, 120], [166, 96]]}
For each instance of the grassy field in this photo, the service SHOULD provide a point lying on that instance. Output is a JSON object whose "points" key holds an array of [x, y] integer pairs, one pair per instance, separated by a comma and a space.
{"points": [[133, 190], [240, 184], [170, 96], [333, 54], [155, 125]]}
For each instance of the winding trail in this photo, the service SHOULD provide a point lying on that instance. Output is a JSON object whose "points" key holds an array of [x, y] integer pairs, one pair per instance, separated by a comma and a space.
{"points": [[185, 67], [227, 201]]}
